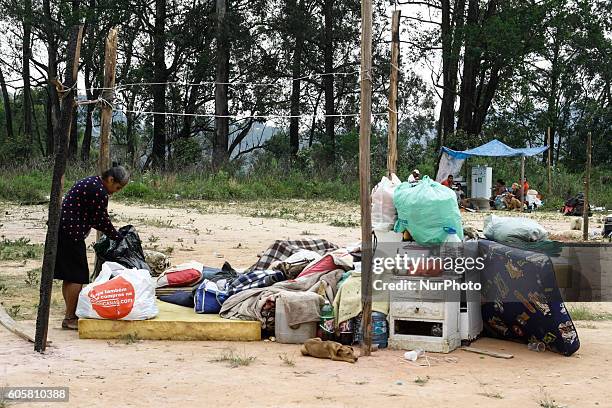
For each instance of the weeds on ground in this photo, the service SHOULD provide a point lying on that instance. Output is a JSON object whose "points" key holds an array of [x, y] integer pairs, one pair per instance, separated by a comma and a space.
{"points": [[128, 339], [286, 360], [32, 278], [157, 222], [583, 312], [490, 394], [235, 360], [546, 401], [19, 249], [421, 380], [343, 223], [13, 311]]}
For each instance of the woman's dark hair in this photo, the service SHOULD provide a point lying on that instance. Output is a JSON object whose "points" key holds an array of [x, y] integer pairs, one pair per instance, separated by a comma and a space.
{"points": [[118, 173]]}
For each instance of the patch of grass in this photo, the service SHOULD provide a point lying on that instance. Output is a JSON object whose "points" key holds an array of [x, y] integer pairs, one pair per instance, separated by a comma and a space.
{"points": [[489, 394], [129, 338], [4, 290], [234, 359], [19, 249], [157, 222], [584, 312], [286, 360], [343, 223], [421, 380], [13, 311], [546, 401], [32, 278]]}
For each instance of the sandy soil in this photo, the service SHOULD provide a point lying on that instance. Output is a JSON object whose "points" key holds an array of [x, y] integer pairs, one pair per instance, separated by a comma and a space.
{"points": [[153, 373]]}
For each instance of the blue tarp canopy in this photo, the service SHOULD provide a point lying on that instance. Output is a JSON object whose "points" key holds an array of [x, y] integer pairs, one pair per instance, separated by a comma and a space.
{"points": [[494, 148]]}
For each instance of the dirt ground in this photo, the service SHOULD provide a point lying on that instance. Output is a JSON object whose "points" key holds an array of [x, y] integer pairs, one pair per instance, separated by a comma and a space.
{"points": [[155, 373]]}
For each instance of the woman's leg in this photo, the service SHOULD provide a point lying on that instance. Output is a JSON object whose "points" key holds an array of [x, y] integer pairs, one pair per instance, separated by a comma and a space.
{"points": [[71, 292]]}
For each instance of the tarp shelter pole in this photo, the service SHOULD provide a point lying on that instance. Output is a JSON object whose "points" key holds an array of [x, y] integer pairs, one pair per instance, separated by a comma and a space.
{"points": [[364, 173], [73, 52], [587, 184], [392, 133], [522, 186], [106, 114]]}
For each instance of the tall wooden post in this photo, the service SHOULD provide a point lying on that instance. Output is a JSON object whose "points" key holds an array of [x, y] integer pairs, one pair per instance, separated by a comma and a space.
{"points": [[549, 164], [392, 134], [106, 115], [365, 200], [587, 185], [522, 186], [108, 94], [59, 167]]}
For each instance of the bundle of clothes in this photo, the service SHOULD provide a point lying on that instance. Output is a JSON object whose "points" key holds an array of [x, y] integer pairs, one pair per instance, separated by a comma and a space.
{"points": [[306, 274]]}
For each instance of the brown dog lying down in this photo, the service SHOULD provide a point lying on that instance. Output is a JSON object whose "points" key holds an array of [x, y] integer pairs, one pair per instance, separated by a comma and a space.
{"points": [[512, 203], [328, 349]]}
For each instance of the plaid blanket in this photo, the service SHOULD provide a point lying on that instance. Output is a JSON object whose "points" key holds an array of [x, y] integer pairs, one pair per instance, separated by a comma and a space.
{"points": [[281, 250], [254, 279]]}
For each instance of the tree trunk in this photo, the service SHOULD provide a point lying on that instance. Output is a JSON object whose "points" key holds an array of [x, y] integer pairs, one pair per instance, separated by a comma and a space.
{"points": [[296, 13], [160, 75], [551, 111], [25, 71], [467, 98], [53, 108], [328, 78], [131, 143], [6, 100], [86, 145], [220, 145], [73, 147]]}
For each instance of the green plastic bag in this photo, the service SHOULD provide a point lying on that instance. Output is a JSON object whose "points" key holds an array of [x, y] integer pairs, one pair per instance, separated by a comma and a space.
{"points": [[425, 209]]}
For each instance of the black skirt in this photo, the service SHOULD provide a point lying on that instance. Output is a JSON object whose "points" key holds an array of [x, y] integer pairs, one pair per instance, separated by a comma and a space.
{"points": [[71, 261]]}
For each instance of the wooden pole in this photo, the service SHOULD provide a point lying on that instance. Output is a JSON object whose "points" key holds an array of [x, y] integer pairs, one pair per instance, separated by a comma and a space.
{"points": [[365, 200], [106, 116], [55, 202], [549, 164], [587, 185], [106, 110], [392, 137], [522, 186]]}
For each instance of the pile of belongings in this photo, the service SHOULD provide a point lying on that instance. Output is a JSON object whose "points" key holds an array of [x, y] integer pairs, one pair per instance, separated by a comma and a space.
{"points": [[574, 205]]}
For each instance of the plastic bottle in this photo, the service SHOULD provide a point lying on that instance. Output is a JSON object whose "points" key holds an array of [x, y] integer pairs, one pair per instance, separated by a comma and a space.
{"points": [[537, 346], [413, 355], [326, 325], [452, 247]]}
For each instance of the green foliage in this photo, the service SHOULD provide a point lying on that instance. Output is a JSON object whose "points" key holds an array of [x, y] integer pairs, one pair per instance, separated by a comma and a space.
{"points": [[19, 249]]}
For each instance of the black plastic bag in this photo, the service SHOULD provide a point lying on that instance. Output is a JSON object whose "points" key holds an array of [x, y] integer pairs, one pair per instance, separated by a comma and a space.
{"points": [[127, 252]]}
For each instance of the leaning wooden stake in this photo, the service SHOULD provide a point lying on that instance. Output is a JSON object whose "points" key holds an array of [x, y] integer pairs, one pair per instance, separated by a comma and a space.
{"points": [[587, 184], [549, 164], [59, 167], [392, 138], [364, 172], [106, 115]]}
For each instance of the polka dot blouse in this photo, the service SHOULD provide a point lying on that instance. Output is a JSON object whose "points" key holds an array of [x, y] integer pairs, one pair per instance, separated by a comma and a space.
{"points": [[85, 207]]}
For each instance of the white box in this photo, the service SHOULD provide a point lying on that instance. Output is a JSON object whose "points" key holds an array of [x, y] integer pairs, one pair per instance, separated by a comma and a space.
{"points": [[482, 182]]}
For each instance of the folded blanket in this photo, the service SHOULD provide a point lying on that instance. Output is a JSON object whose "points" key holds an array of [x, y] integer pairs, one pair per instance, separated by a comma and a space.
{"points": [[253, 304], [281, 250], [347, 303]]}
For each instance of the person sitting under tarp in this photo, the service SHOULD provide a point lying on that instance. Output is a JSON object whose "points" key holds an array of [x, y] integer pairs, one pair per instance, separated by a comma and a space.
{"points": [[496, 200], [448, 182]]}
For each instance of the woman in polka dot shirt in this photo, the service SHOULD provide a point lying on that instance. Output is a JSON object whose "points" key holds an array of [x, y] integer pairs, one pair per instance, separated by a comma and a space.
{"points": [[85, 206]]}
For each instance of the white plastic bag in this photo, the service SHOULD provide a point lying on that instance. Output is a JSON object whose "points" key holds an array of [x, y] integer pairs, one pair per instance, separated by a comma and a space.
{"points": [[118, 293], [384, 214], [513, 230]]}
